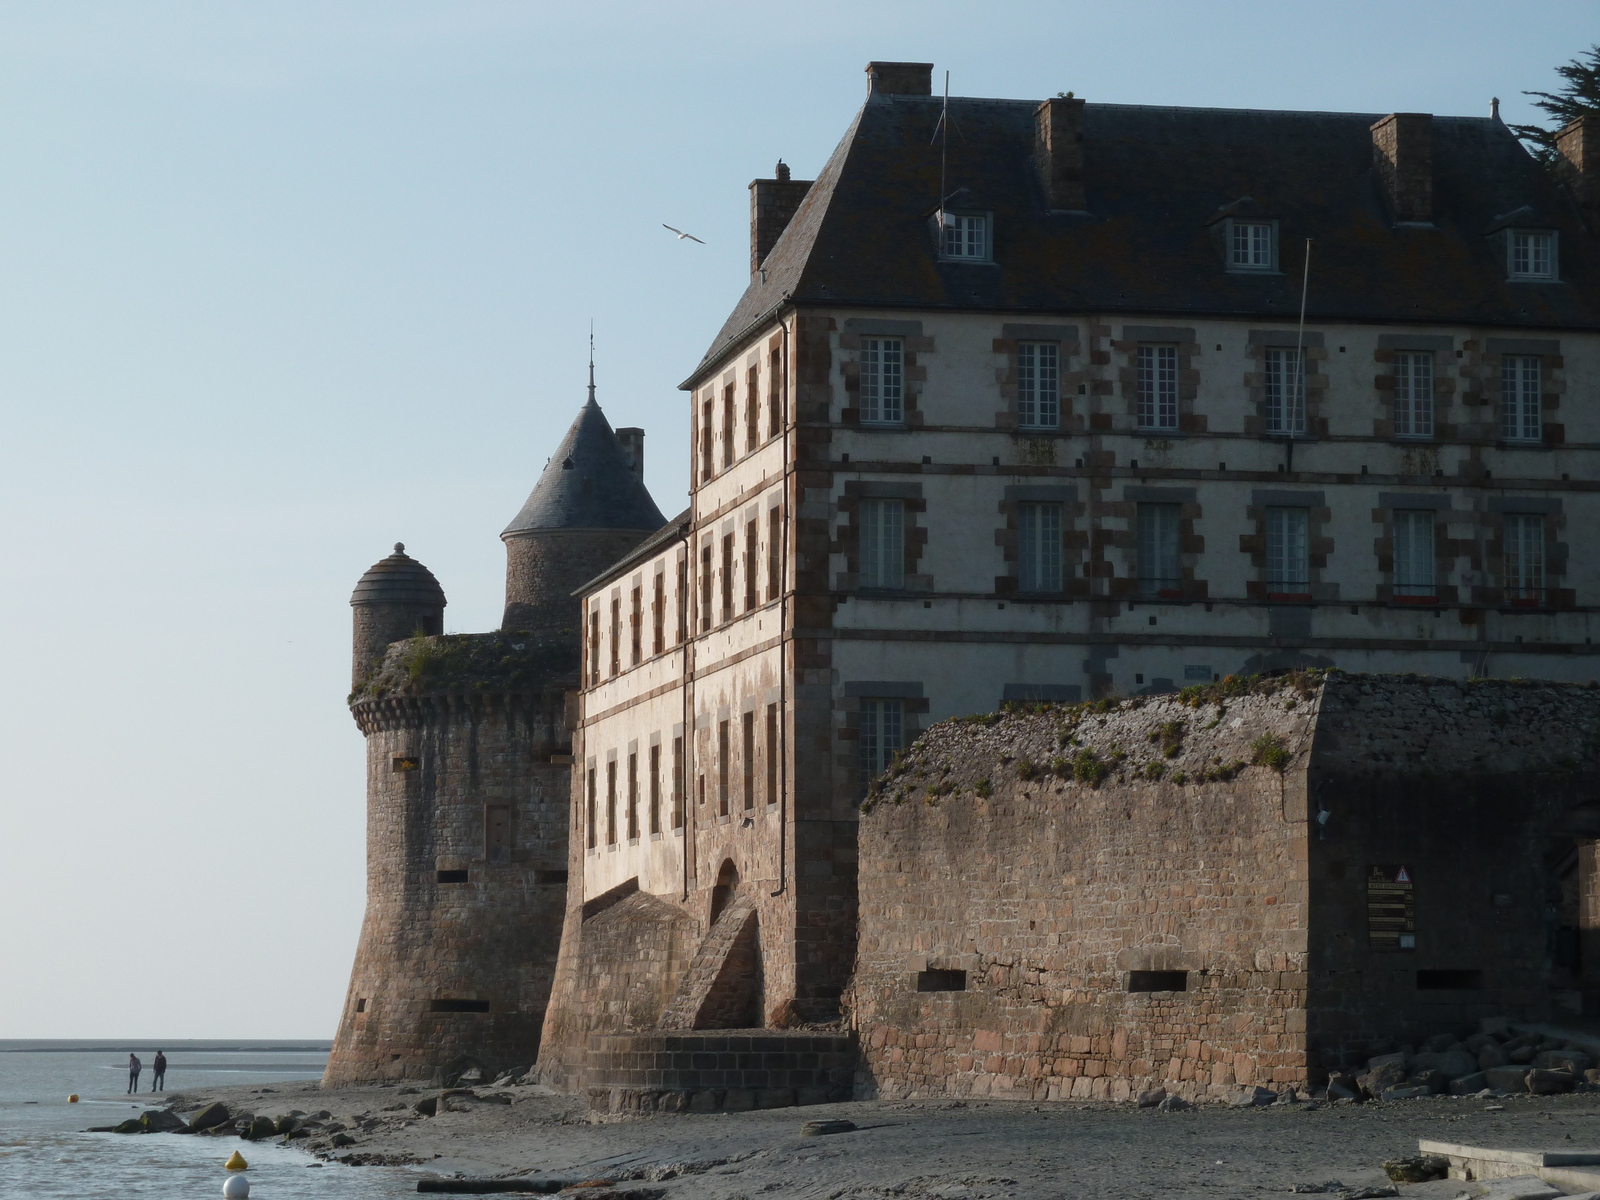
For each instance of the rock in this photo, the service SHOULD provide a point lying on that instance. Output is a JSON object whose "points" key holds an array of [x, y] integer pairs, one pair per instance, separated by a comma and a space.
{"points": [[1372, 1193], [409, 1091], [1257, 1097], [1328, 1185], [1397, 1059], [1382, 1078], [1452, 1064], [1492, 1055], [1439, 1043], [1153, 1098], [342, 1140], [287, 1123], [1469, 1085], [1419, 1168], [1495, 1025], [1478, 1041], [1549, 1083], [1434, 1081], [1404, 1092], [1592, 1075], [1575, 1061], [259, 1127], [131, 1125], [1522, 1054], [210, 1116], [1507, 1079], [426, 1107], [162, 1120], [1342, 1086], [823, 1128], [1175, 1103]]}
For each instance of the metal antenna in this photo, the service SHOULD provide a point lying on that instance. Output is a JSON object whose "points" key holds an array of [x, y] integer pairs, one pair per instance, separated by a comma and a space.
{"points": [[591, 360], [1300, 349], [944, 144]]}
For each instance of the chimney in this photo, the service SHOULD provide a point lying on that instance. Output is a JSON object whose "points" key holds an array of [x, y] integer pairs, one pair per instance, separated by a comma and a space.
{"points": [[633, 445], [1579, 144], [1058, 152], [773, 203], [1402, 152], [899, 79]]}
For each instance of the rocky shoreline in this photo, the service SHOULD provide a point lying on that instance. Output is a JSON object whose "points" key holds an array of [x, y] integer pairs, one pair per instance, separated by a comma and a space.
{"points": [[524, 1136]]}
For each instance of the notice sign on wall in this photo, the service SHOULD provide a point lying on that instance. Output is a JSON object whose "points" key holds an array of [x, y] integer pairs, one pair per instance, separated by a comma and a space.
{"points": [[1391, 909]]}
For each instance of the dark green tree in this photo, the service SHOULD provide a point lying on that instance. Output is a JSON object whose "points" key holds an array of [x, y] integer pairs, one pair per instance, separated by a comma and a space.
{"points": [[1579, 95]]}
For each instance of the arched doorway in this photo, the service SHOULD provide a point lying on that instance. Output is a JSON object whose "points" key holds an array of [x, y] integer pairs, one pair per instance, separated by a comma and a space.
{"points": [[726, 887]]}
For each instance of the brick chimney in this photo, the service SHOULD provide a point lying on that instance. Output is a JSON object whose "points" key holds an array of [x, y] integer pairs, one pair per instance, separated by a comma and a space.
{"points": [[1402, 152], [900, 79], [773, 203], [1058, 152], [632, 440], [1579, 144]]}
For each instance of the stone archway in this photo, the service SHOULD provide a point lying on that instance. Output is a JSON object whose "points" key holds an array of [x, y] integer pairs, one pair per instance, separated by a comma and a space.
{"points": [[727, 886]]}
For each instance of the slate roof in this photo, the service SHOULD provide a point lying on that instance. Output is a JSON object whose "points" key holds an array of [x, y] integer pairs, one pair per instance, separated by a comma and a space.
{"points": [[588, 484], [398, 579], [1156, 180]]}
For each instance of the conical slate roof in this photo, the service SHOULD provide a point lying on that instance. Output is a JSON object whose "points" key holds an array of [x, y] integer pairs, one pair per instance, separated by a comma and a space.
{"points": [[588, 484], [398, 579]]}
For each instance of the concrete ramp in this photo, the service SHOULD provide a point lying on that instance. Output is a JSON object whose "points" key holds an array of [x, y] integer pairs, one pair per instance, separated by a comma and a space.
{"points": [[1568, 1171]]}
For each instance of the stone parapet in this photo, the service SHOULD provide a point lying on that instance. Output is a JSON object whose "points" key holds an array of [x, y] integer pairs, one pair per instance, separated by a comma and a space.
{"points": [[717, 1071]]}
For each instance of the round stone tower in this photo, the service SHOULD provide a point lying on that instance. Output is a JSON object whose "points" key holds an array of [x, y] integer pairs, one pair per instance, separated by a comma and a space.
{"points": [[468, 762], [589, 508]]}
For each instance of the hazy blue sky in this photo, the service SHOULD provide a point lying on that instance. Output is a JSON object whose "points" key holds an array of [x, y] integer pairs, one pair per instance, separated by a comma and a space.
{"points": [[285, 282]]}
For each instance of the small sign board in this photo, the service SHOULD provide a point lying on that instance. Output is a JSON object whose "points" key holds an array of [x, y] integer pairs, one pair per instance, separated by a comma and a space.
{"points": [[1391, 908]]}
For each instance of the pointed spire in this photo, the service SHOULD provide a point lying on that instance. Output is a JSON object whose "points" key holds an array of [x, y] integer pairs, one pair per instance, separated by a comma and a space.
{"points": [[591, 360]]}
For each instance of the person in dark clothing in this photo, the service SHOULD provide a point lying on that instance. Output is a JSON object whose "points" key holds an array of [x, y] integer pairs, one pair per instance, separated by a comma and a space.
{"points": [[134, 1067], [158, 1082]]}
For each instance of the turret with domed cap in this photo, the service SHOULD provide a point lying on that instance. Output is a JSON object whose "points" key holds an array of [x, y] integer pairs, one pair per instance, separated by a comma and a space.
{"points": [[589, 508], [396, 598]]}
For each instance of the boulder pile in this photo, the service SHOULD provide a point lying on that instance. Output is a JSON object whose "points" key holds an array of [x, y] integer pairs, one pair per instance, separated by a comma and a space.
{"points": [[1494, 1060]]}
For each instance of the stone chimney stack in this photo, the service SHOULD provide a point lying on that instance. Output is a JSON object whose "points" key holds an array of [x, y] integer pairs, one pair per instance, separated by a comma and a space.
{"points": [[632, 440], [1058, 152], [1579, 144], [1402, 152], [899, 79], [773, 203]]}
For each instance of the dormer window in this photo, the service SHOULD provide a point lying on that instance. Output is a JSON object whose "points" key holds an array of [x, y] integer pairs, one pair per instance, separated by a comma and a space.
{"points": [[965, 236], [1252, 245], [1531, 254]]}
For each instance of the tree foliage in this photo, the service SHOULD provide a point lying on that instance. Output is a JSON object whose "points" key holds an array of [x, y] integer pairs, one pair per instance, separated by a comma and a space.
{"points": [[1580, 94]]}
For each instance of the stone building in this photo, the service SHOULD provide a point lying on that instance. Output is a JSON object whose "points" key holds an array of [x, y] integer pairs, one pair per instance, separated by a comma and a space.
{"points": [[1238, 885], [1019, 405], [468, 751]]}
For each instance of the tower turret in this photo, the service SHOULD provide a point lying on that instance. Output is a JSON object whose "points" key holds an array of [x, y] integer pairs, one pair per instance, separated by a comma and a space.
{"points": [[589, 508], [397, 598]]}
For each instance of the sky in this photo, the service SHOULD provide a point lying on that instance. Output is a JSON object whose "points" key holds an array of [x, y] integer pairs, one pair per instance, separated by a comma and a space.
{"points": [[284, 283]]}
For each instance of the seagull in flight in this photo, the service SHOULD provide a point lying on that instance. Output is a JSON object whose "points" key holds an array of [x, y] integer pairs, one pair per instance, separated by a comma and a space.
{"points": [[681, 234]]}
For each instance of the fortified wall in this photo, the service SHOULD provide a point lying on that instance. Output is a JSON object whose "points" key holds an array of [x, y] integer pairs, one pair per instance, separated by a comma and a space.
{"points": [[1246, 883]]}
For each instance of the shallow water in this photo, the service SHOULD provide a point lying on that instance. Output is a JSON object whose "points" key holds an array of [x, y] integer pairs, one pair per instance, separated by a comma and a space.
{"points": [[44, 1151]]}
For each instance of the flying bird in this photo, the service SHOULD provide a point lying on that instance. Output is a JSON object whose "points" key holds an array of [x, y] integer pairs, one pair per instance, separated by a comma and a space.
{"points": [[681, 234]]}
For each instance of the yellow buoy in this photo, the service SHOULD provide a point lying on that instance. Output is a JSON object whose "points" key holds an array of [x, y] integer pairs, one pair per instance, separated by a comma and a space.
{"points": [[72, 1099], [236, 1162]]}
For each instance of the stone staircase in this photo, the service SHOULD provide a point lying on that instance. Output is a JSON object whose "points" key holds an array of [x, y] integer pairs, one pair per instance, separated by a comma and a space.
{"points": [[721, 989]]}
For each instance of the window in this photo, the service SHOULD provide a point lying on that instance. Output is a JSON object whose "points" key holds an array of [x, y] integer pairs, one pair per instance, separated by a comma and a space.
{"points": [[683, 598], [722, 768], [1288, 576], [1159, 571], [1519, 398], [1532, 254], [1414, 563], [458, 1006], [1038, 385], [705, 585], [881, 732], [1286, 391], [727, 427], [752, 572], [727, 577], [775, 396], [883, 544], [594, 646], [774, 553], [591, 813], [1524, 558], [1250, 246], [677, 783], [1157, 371], [616, 636], [636, 627], [935, 980], [658, 614], [497, 832], [707, 467], [450, 877], [752, 409], [965, 236], [1039, 547], [633, 797], [772, 754], [1463, 981], [611, 803], [749, 763], [1413, 394], [1158, 981], [655, 788], [882, 381]]}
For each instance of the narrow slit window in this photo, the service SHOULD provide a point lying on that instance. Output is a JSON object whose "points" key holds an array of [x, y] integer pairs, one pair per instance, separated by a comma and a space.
{"points": [[677, 783], [935, 980], [1038, 385], [1413, 395], [1415, 566], [727, 426], [727, 577], [1157, 372], [705, 586], [497, 844], [1519, 398], [882, 381], [752, 410], [1288, 568], [616, 637], [775, 396], [591, 821], [459, 1006], [724, 767], [707, 463], [636, 627], [1039, 547], [1160, 574], [655, 788], [748, 765], [882, 543], [752, 570], [1464, 981], [682, 598], [594, 647], [1158, 981], [1286, 391], [774, 553], [658, 614], [772, 754], [633, 797], [450, 876], [611, 803]]}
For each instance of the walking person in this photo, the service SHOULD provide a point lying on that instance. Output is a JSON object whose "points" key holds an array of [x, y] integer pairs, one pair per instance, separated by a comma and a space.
{"points": [[158, 1082], [134, 1067]]}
